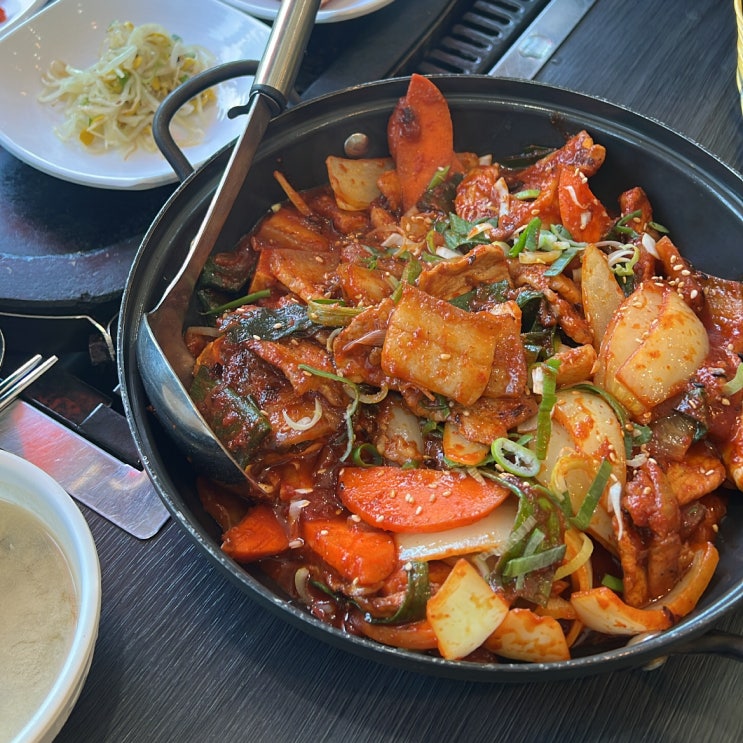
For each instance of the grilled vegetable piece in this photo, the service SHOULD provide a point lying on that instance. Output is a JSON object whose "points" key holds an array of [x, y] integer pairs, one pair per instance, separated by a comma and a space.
{"points": [[358, 552], [421, 138], [354, 182], [417, 500], [464, 612], [600, 293], [652, 346], [524, 635], [258, 534]]}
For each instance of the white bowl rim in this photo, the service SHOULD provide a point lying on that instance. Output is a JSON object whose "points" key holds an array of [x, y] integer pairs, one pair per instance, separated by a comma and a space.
{"points": [[59, 701]]}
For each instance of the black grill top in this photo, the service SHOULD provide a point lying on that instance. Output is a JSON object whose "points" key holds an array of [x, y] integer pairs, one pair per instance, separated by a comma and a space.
{"points": [[426, 36]]}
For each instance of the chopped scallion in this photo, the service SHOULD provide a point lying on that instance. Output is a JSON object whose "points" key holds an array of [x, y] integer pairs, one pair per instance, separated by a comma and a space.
{"points": [[735, 384], [521, 565], [582, 519], [544, 412], [611, 581], [514, 458]]}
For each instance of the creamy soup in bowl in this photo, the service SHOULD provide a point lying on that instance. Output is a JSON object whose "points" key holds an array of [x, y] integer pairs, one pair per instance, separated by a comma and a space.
{"points": [[50, 606]]}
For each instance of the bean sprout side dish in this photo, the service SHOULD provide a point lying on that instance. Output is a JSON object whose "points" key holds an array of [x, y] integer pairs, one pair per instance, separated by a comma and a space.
{"points": [[482, 414], [111, 104]]}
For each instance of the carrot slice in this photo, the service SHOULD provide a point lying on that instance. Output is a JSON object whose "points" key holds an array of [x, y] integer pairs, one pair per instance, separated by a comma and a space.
{"points": [[581, 212], [417, 500], [259, 534], [421, 138], [353, 549]]}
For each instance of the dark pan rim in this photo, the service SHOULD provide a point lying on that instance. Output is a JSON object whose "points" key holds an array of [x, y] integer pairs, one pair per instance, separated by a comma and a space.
{"points": [[707, 172]]}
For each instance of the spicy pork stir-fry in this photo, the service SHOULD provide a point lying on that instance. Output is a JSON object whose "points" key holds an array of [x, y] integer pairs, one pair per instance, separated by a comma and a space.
{"points": [[481, 413]]}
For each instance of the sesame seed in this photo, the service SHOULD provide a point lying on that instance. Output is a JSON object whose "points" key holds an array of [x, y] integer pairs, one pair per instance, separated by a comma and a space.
{"points": [[693, 294], [446, 493], [444, 356], [409, 498], [392, 493], [296, 543], [278, 325], [319, 259], [432, 498], [323, 532], [419, 510], [380, 517], [355, 517]]}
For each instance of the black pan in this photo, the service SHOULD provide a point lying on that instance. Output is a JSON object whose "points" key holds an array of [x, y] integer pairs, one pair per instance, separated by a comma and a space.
{"points": [[693, 193]]}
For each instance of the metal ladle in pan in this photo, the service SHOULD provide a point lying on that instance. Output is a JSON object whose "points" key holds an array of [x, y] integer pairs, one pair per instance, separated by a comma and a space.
{"points": [[164, 362]]}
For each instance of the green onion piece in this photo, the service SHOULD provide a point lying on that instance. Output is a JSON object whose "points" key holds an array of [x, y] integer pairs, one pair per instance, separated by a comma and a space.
{"points": [[239, 302], [412, 270], [626, 268], [629, 217], [611, 581], [417, 593], [562, 262], [659, 228], [532, 545], [438, 177], [528, 194], [562, 233], [522, 565], [528, 239], [327, 375], [366, 455], [582, 519], [544, 413], [331, 313], [514, 458], [735, 384]]}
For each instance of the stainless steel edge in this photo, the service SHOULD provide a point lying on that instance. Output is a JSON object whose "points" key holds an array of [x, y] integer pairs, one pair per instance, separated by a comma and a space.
{"points": [[533, 49], [120, 493]]}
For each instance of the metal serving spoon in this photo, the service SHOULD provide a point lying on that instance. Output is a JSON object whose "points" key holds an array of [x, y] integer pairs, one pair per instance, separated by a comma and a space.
{"points": [[164, 361]]}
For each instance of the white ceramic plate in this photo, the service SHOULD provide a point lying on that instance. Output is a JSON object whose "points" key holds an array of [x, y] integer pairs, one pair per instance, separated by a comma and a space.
{"points": [[334, 10], [16, 11], [72, 31]]}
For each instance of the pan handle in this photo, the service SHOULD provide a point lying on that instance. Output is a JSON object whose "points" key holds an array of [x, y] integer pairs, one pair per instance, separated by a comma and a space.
{"points": [[715, 642], [181, 95]]}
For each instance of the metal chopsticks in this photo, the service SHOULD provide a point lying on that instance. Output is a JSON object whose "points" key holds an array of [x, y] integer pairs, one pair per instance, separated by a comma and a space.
{"points": [[22, 377]]}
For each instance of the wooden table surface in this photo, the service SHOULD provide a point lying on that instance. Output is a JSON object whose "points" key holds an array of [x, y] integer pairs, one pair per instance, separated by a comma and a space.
{"points": [[183, 655]]}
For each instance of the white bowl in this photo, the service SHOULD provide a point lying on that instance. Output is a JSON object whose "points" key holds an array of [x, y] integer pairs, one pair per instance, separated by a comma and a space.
{"points": [[335, 10], [28, 486], [17, 11], [72, 31]]}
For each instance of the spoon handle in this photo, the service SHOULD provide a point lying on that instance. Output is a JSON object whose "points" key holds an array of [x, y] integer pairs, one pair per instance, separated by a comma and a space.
{"points": [[282, 58]]}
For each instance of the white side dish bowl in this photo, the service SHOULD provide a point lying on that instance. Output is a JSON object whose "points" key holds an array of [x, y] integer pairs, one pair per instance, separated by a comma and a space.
{"points": [[17, 11], [73, 31], [332, 12], [24, 485]]}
